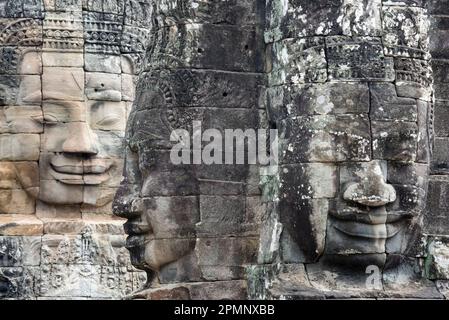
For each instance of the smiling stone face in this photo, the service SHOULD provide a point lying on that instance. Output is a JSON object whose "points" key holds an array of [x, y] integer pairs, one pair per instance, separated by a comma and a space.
{"points": [[84, 120], [69, 84], [352, 105], [352, 178]]}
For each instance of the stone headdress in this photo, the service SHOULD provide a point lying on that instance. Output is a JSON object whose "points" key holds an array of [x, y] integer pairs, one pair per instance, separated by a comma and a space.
{"points": [[110, 27]]}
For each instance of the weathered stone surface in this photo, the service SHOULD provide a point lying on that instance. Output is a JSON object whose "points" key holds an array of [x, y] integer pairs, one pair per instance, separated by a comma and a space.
{"points": [[60, 83], [303, 18], [195, 46], [62, 59], [357, 58], [19, 147], [325, 138], [441, 118], [376, 56], [21, 119], [386, 105], [20, 225], [102, 63], [20, 251], [398, 144], [435, 220], [437, 261], [298, 61], [327, 98], [405, 32]]}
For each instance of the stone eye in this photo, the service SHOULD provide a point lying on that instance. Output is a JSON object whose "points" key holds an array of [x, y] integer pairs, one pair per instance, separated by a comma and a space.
{"points": [[108, 121], [47, 119]]}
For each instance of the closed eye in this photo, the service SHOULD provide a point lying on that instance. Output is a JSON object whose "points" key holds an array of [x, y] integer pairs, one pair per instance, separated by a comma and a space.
{"points": [[108, 121], [47, 119]]}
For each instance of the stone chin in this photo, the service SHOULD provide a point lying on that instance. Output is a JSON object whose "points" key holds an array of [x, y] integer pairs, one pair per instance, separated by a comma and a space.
{"points": [[151, 254]]}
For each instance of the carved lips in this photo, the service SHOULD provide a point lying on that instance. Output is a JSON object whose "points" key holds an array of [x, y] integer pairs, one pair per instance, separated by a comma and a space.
{"points": [[77, 171], [377, 224]]}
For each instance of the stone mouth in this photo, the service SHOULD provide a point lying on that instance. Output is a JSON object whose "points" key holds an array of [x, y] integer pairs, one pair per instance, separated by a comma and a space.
{"points": [[136, 228], [68, 172], [369, 216], [379, 231]]}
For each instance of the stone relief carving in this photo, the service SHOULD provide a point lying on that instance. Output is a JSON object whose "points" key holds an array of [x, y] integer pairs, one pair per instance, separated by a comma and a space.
{"points": [[67, 84], [356, 206], [355, 151], [173, 210]]}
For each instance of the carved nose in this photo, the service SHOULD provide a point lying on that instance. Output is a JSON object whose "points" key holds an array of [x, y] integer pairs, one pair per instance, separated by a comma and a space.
{"points": [[370, 192], [81, 139]]}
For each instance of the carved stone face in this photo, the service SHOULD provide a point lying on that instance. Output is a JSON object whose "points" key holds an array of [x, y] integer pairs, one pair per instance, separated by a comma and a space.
{"points": [[353, 179], [159, 199], [83, 118]]}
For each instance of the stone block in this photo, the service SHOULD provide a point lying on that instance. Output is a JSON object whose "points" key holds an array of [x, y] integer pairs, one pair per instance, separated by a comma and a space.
{"points": [[31, 63], [325, 138], [440, 157], [16, 201], [19, 147], [358, 59], [413, 78], [395, 141], [20, 225], [20, 251], [197, 88], [386, 105], [441, 79], [227, 212], [56, 192], [55, 112], [216, 266], [111, 144], [308, 181], [441, 118], [172, 217], [298, 61], [60, 83], [21, 119], [17, 283], [303, 223], [128, 87], [30, 92], [102, 63], [62, 59], [9, 88], [327, 98], [243, 48], [436, 217], [53, 211], [439, 7], [103, 86], [107, 115], [399, 40]]}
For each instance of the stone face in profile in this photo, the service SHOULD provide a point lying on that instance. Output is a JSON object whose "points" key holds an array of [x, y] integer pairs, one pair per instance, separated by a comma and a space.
{"points": [[190, 226]]}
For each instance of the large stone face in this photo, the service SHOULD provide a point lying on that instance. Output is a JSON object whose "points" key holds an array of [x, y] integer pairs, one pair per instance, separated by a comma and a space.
{"points": [[203, 64], [350, 208], [67, 75]]}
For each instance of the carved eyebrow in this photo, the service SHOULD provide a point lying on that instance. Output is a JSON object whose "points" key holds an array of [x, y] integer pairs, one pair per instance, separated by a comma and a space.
{"points": [[62, 103]]}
